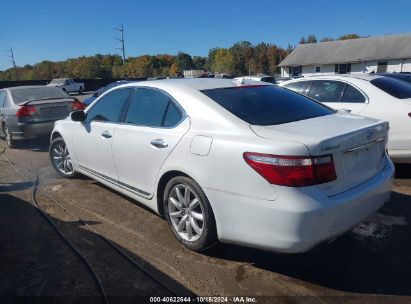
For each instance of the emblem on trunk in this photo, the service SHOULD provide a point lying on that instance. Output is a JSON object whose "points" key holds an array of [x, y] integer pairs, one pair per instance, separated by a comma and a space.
{"points": [[328, 148]]}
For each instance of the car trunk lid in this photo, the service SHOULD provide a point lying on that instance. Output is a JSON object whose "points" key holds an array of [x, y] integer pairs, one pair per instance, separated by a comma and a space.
{"points": [[50, 109], [356, 143]]}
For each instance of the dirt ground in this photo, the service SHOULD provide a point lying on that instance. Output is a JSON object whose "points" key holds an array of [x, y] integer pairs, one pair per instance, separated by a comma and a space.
{"points": [[371, 263]]}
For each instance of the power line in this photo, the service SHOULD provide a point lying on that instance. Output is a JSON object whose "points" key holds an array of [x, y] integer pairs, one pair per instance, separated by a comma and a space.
{"points": [[122, 48]]}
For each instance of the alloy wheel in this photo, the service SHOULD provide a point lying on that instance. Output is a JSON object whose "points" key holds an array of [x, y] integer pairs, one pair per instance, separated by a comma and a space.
{"points": [[61, 158], [186, 212]]}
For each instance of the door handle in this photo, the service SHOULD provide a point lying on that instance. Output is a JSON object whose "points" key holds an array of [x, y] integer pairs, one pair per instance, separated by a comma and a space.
{"points": [[158, 143], [346, 110], [106, 134]]}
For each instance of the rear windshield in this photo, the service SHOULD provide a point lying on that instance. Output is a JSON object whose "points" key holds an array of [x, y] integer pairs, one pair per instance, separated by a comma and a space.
{"points": [[267, 105], [268, 79], [23, 95], [396, 88]]}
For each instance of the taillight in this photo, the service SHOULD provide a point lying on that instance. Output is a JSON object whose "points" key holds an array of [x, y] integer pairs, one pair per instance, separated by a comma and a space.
{"points": [[26, 111], [409, 114], [292, 171], [77, 105]]}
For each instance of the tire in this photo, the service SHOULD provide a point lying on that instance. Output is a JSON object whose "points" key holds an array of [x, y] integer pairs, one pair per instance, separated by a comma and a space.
{"points": [[185, 218], [60, 158], [9, 138]]}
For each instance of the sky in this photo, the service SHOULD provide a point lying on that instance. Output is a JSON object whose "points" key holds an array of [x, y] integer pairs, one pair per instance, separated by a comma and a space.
{"points": [[56, 30]]}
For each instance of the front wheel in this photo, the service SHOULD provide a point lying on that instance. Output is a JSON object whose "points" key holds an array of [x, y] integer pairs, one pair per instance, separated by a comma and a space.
{"points": [[60, 158], [189, 214]]}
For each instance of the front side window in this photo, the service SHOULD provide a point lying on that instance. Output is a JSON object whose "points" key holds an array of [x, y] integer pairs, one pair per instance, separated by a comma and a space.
{"points": [[327, 91], [352, 95], [152, 108], [109, 107], [266, 105]]}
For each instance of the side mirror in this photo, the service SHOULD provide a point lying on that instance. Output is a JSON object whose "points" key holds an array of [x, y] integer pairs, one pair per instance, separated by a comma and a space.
{"points": [[95, 94], [78, 116]]}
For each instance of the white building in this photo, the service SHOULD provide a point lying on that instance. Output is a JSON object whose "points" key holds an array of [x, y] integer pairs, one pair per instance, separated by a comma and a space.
{"points": [[363, 55]]}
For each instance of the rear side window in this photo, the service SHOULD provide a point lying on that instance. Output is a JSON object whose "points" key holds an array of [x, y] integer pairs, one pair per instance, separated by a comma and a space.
{"points": [[352, 95], [394, 87], [109, 107], [299, 87], [152, 108], [327, 91], [267, 105]]}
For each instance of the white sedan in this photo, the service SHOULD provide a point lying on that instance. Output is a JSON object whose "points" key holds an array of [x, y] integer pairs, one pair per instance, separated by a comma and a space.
{"points": [[251, 164], [367, 95]]}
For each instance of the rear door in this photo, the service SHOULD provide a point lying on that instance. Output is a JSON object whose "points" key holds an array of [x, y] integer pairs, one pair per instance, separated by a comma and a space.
{"points": [[152, 126], [338, 95], [93, 138]]}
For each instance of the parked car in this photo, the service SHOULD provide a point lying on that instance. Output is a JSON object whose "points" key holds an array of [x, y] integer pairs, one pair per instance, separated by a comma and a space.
{"points": [[263, 78], [256, 165], [67, 85], [28, 112], [283, 79], [367, 95], [223, 75], [401, 76], [102, 90]]}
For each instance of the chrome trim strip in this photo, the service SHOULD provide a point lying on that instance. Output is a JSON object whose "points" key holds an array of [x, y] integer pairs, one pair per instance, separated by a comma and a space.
{"points": [[118, 183], [365, 146]]}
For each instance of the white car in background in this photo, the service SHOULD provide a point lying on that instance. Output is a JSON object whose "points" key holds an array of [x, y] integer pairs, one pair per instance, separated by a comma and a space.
{"points": [[68, 85], [366, 95], [250, 164], [263, 78]]}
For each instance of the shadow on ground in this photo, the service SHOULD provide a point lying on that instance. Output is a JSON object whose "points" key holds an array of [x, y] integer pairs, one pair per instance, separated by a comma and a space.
{"points": [[35, 262]]}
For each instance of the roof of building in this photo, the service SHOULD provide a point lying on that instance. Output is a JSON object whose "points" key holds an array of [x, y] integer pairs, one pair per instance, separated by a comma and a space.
{"points": [[352, 50]]}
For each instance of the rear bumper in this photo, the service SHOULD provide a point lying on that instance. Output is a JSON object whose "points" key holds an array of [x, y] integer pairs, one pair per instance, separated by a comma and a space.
{"points": [[21, 131], [300, 218]]}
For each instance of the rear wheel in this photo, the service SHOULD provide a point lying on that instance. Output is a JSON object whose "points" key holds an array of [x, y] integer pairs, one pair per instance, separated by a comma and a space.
{"points": [[60, 158], [189, 214], [9, 138]]}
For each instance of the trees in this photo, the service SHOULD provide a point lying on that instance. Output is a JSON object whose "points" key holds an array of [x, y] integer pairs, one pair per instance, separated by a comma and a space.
{"points": [[241, 58], [348, 36], [183, 61]]}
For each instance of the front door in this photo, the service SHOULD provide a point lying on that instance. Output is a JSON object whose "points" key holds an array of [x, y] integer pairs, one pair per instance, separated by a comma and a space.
{"points": [[93, 138], [152, 127]]}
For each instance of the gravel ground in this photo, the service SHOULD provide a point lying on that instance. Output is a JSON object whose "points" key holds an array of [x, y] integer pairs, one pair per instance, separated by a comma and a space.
{"points": [[372, 263]]}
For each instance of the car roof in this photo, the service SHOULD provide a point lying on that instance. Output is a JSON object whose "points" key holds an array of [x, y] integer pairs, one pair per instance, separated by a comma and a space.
{"points": [[366, 77], [197, 84]]}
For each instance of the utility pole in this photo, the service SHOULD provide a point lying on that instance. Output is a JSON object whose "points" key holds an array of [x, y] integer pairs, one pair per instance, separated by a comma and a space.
{"points": [[11, 56], [122, 48]]}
